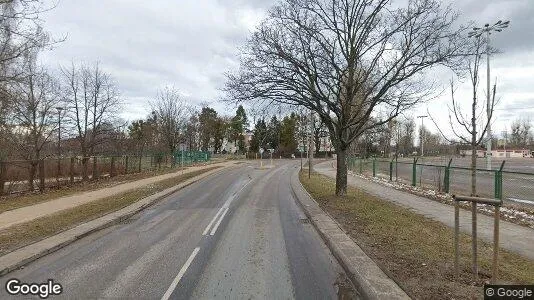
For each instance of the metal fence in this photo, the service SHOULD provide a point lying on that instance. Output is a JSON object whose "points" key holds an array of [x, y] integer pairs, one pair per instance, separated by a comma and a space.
{"points": [[24, 175], [448, 178]]}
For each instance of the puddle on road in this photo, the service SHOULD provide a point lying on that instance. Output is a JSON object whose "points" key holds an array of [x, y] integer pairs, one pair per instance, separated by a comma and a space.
{"points": [[344, 288]]}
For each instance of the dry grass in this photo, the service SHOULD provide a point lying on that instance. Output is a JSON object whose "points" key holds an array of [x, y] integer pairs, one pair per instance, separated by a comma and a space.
{"points": [[21, 200], [24, 234], [416, 251]]}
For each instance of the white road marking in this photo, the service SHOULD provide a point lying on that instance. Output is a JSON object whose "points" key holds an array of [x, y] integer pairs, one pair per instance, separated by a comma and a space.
{"points": [[225, 207], [180, 274], [521, 200], [212, 221], [219, 222]]}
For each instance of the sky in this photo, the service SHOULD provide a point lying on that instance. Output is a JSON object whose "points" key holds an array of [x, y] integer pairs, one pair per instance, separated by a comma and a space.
{"points": [[147, 45]]}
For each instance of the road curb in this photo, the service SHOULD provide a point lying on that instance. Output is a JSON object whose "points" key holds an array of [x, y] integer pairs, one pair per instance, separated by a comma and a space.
{"points": [[370, 281], [20, 257]]}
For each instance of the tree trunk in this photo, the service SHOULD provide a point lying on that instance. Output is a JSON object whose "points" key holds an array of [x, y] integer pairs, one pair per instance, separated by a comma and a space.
{"points": [[31, 175], [85, 175], [341, 172]]}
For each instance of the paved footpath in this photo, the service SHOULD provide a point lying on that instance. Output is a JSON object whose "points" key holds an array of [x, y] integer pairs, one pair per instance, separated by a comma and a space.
{"points": [[29, 213], [513, 237]]}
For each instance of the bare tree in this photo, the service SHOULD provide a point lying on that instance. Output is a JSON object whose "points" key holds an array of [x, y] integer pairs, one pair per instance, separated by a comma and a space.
{"points": [[92, 101], [470, 128], [521, 134], [171, 113], [35, 99], [347, 61]]}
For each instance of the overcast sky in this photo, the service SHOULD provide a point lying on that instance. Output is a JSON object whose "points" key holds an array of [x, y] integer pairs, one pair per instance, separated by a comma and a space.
{"points": [[146, 45]]}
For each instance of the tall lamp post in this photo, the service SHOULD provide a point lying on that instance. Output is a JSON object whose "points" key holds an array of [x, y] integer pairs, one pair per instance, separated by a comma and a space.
{"points": [[421, 135], [477, 33], [59, 110]]}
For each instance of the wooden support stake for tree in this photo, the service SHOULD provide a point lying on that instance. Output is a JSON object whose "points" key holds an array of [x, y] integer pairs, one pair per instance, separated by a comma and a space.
{"points": [[495, 267], [456, 239]]}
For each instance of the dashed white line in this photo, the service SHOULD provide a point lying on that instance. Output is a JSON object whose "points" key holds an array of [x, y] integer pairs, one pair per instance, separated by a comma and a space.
{"points": [[219, 222], [180, 274]]}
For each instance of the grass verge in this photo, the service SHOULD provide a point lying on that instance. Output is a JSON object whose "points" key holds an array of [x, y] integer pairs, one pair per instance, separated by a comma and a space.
{"points": [[21, 200], [21, 235], [417, 252]]}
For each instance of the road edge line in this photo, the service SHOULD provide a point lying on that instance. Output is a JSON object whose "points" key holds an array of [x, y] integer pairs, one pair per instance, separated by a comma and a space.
{"points": [[368, 278], [16, 259]]}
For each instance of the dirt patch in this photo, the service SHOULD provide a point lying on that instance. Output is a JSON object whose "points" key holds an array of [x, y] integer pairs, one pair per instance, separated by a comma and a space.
{"points": [[21, 235], [414, 251]]}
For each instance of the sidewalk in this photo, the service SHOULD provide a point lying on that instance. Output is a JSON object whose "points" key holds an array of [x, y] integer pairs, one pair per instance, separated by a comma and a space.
{"points": [[512, 237], [29, 213]]}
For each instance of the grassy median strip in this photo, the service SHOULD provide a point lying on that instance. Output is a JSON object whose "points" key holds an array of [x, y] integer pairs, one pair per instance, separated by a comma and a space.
{"points": [[24, 234], [416, 251]]}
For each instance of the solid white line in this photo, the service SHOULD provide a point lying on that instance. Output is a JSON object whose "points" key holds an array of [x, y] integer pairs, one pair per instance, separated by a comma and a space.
{"points": [[212, 221], [180, 274], [224, 207], [219, 222]]}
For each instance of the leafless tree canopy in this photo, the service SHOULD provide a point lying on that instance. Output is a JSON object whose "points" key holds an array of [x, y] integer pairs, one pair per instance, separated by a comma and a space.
{"points": [[92, 101], [171, 114], [347, 60]]}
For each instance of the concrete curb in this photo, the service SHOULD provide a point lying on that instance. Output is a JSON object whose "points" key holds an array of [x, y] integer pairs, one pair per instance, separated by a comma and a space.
{"points": [[27, 254], [370, 281]]}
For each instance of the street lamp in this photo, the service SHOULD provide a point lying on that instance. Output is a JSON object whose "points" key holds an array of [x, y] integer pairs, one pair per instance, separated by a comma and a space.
{"points": [[421, 135], [59, 110], [477, 33]]}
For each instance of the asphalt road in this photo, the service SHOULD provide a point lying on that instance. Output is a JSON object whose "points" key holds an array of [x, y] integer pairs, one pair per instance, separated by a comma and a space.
{"points": [[237, 234]]}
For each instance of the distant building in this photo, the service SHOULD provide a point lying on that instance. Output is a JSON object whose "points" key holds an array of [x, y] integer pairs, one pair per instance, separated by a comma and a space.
{"points": [[500, 153]]}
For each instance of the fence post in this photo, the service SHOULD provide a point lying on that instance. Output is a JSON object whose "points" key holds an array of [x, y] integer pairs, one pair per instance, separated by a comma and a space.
{"points": [[41, 175], [71, 170], [361, 165], [95, 168], [126, 165], [374, 167], [3, 171], [447, 177], [498, 182], [391, 170], [140, 158], [112, 171], [414, 172]]}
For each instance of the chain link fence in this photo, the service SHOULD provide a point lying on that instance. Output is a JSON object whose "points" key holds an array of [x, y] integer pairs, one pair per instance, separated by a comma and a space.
{"points": [[508, 185]]}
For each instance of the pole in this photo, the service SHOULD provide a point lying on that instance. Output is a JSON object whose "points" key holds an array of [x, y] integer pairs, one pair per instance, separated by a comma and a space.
{"points": [[59, 109], [488, 142], [421, 135], [310, 148]]}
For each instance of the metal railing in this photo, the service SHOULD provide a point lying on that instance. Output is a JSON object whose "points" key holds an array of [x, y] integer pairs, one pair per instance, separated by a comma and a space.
{"points": [[24, 175], [449, 178]]}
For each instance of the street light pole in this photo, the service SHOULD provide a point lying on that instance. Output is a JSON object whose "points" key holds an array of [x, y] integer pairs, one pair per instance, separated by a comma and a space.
{"points": [[477, 32], [421, 134]]}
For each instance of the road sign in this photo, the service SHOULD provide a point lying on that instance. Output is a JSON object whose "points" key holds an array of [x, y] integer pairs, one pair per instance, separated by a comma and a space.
{"points": [[261, 150]]}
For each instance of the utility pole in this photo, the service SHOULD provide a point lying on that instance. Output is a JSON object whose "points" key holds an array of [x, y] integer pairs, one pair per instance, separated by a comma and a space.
{"points": [[421, 134]]}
